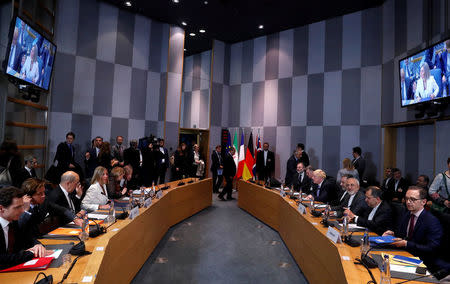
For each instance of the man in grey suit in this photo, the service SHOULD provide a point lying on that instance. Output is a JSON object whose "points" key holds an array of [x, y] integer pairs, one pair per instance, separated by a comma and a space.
{"points": [[117, 150]]}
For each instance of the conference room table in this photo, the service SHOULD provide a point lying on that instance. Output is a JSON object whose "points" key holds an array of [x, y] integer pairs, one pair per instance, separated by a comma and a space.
{"points": [[320, 259], [120, 253]]}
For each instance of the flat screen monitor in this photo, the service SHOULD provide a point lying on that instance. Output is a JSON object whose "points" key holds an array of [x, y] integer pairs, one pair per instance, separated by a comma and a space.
{"points": [[425, 76], [30, 55]]}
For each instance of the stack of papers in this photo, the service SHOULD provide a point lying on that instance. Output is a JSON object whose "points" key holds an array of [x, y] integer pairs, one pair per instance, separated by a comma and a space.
{"points": [[97, 216]]}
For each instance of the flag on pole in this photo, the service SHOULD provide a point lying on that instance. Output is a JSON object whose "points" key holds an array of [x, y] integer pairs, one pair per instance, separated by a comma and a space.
{"points": [[228, 145], [241, 160], [236, 148], [257, 150], [249, 160]]}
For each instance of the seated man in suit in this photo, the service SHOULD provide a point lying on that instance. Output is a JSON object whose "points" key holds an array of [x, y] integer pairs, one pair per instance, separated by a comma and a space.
{"points": [[419, 232], [16, 246], [352, 199], [291, 167], [310, 173], [397, 187], [38, 208], [300, 180], [68, 193], [323, 190], [28, 170], [377, 216], [265, 163]]}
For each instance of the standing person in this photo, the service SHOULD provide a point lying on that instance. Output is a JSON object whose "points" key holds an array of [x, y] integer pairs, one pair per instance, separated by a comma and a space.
{"points": [[28, 170], [397, 187], [16, 246], [132, 156], [148, 165], [217, 168], [358, 162], [304, 158], [10, 160], [265, 163], [388, 173], [104, 157], [65, 160], [180, 162], [229, 171], [91, 157], [196, 162], [440, 190], [162, 162], [118, 149], [347, 169], [291, 167]]}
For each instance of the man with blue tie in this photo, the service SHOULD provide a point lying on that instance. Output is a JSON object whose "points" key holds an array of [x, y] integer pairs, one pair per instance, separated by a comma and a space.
{"points": [[65, 158], [323, 190], [419, 232]]}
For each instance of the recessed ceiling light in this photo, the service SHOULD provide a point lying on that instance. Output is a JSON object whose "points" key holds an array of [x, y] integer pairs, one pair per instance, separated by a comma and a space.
{"points": [[260, 27], [202, 31], [206, 2], [176, 1], [128, 3], [185, 49], [184, 23], [192, 34]]}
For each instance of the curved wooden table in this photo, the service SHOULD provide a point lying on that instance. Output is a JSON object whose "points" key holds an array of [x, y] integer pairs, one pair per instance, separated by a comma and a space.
{"points": [[125, 250], [320, 260]]}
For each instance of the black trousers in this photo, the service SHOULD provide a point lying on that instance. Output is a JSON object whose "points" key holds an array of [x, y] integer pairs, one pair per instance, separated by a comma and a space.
{"points": [[217, 181], [161, 178], [228, 189]]}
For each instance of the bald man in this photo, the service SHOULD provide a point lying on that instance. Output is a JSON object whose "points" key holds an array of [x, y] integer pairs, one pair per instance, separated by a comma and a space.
{"points": [[68, 193]]}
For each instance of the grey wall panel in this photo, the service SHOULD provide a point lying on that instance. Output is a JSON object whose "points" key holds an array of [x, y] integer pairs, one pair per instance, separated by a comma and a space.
{"points": [[138, 93], [119, 127], [87, 29], [333, 44], [125, 37], [258, 104], [315, 99], [370, 142], [332, 98], [300, 57], [316, 48], [284, 102], [62, 93], [371, 37], [247, 61], [272, 56], [351, 96], [331, 149]]}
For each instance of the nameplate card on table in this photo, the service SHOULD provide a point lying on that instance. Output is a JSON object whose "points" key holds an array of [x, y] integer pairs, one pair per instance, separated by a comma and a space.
{"points": [[159, 194], [147, 202], [334, 235], [301, 208], [134, 212]]}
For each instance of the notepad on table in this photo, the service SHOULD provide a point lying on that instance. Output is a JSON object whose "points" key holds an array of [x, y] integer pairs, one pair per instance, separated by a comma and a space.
{"points": [[382, 240], [34, 264]]}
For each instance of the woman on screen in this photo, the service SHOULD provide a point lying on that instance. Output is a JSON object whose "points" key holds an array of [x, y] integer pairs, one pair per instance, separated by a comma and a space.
{"points": [[427, 88], [30, 71]]}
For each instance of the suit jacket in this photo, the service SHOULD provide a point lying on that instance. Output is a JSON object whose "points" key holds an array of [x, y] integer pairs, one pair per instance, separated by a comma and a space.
{"points": [[95, 196], [267, 170], [390, 193], [304, 184], [358, 205], [216, 161], [57, 197], [116, 152], [381, 221], [407, 88], [132, 157], [360, 166], [162, 159], [304, 159], [36, 216], [64, 156], [229, 167], [426, 237], [17, 57], [23, 175], [326, 193], [291, 169], [443, 64], [22, 241], [92, 163]]}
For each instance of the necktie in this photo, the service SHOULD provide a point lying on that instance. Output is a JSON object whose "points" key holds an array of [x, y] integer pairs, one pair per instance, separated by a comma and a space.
{"points": [[318, 191], [411, 226], [10, 239], [71, 151]]}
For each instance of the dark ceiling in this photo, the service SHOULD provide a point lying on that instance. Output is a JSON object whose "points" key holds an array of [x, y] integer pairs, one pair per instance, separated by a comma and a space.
{"points": [[238, 20]]}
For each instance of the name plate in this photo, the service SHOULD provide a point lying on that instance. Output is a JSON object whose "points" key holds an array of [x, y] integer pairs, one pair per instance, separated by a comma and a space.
{"points": [[159, 194], [301, 208], [334, 235], [147, 202], [134, 212]]}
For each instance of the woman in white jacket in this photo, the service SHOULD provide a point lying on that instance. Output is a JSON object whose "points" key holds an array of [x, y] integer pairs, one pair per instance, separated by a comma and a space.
{"points": [[97, 195]]}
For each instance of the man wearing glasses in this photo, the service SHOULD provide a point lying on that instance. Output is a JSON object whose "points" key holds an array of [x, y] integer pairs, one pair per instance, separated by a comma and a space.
{"points": [[419, 232]]}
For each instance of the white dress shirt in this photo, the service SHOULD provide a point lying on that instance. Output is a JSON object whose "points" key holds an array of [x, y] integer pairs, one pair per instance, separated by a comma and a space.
{"points": [[66, 194], [265, 157], [416, 215], [5, 226], [372, 213]]}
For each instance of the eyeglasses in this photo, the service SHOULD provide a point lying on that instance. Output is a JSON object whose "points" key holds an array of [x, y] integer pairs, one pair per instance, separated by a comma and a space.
{"points": [[412, 199]]}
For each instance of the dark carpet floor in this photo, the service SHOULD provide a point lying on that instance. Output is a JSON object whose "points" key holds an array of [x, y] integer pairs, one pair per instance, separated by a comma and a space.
{"points": [[221, 244]]}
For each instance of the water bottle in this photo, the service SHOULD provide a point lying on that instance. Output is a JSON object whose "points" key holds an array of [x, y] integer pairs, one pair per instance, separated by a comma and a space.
{"points": [[326, 213], [84, 235], [365, 245], [142, 196], [385, 271], [311, 203], [345, 227], [111, 213], [153, 186]]}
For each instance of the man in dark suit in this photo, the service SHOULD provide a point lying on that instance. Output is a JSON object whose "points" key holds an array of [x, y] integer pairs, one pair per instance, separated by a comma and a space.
{"points": [[388, 173], [28, 170], [65, 158], [229, 171], [132, 156], [68, 193], [265, 163], [16, 245], [377, 216], [38, 209], [352, 200], [162, 162], [397, 187], [117, 150], [304, 158], [16, 52], [217, 168], [418, 231], [291, 167], [300, 180], [406, 86], [324, 190], [358, 162], [91, 157], [444, 65]]}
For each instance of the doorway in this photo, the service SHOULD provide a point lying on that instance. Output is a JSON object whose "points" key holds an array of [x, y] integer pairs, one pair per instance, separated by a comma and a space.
{"points": [[192, 136]]}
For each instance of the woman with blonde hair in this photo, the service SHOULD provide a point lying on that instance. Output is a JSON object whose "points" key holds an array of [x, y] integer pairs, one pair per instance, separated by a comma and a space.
{"points": [[426, 87], [97, 195], [347, 169], [30, 70], [117, 185]]}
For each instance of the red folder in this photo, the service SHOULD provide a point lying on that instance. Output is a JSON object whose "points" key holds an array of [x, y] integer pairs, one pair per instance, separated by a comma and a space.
{"points": [[34, 264]]}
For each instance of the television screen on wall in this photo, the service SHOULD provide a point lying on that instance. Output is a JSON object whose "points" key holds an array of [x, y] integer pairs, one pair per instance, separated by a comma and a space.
{"points": [[425, 76], [30, 55]]}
